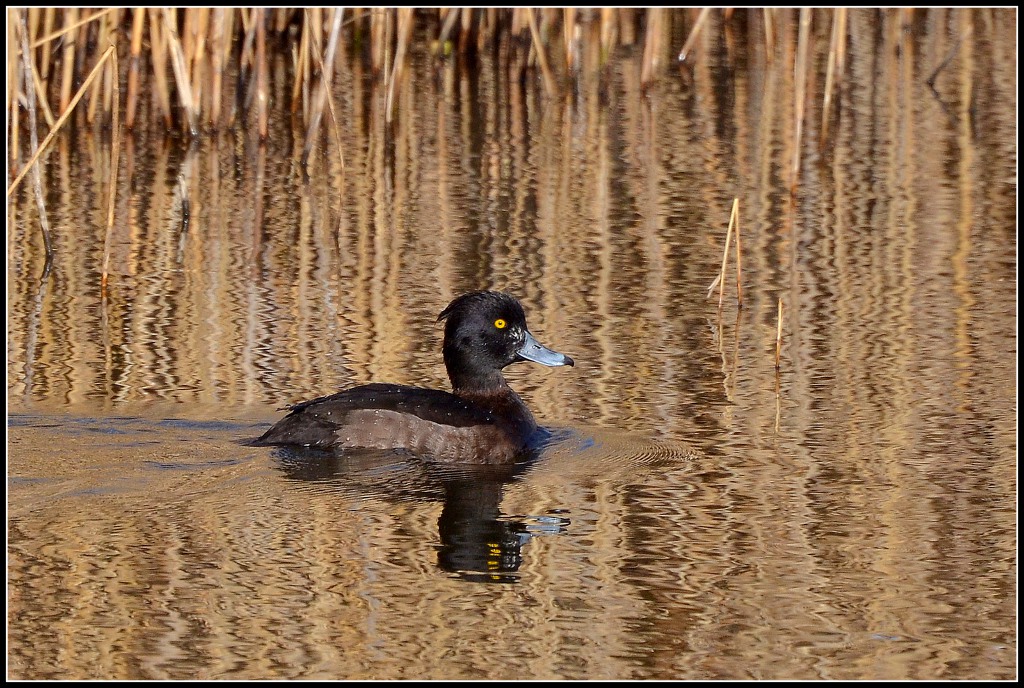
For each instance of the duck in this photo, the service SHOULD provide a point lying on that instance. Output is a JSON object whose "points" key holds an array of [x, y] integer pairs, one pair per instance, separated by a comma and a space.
{"points": [[482, 420]]}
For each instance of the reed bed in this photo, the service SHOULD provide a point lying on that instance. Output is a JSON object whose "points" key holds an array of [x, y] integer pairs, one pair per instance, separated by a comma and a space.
{"points": [[177, 64]]}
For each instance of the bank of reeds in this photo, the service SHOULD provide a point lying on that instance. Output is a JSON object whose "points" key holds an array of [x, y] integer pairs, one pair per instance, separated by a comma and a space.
{"points": [[208, 69]]}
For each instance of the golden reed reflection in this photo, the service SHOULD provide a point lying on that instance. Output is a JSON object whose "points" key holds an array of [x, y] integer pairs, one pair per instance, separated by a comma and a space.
{"points": [[874, 530]]}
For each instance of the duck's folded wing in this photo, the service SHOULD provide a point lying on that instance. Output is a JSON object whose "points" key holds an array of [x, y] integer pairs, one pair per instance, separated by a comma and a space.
{"points": [[376, 415]]}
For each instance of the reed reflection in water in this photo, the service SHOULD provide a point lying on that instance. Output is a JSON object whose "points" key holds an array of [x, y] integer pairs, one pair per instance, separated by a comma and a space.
{"points": [[853, 517]]}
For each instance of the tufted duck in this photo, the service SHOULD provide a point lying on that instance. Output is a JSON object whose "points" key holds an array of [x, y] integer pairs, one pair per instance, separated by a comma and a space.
{"points": [[481, 421]]}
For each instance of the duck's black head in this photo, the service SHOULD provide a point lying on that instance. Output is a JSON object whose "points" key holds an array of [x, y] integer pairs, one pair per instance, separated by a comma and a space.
{"points": [[484, 332]]}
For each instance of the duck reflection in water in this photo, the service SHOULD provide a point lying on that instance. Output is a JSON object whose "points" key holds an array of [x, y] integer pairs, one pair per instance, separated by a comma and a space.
{"points": [[477, 541]]}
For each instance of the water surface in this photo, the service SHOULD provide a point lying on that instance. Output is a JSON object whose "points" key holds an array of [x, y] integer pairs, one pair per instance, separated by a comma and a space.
{"points": [[695, 514]]}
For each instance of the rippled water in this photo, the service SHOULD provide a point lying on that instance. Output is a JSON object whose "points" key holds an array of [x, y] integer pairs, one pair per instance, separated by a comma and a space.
{"points": [[694, 514]]}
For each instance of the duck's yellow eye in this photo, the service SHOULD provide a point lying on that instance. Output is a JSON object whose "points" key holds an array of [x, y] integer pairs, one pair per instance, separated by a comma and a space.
{"points": [[500, 324]]}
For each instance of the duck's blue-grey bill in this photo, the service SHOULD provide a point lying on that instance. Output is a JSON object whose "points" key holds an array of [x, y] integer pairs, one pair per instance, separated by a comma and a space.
{"points": [[532, 350]]}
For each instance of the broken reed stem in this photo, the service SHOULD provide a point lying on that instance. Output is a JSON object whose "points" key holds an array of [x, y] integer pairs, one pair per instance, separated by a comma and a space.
{"points": [[115, 150], [30, 95], [800, 77], [652, 47], [694, 32], [550, 85], [63, 118], [778, 339]]}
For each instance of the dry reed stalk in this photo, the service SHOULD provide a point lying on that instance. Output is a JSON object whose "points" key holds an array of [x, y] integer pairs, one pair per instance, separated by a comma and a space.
{"points": [[63, 118], [331, 48], [158, 54], [110, 24], [627, 26], [836, 50], [30, 97], [520, 22], [33, 27], [115, 151], [131, 104], [449, 15], [609, 26], [246, 88], [568, 29], [694, 32], [377, 20], [301, 66], [40, 91], [778, 339], [49, 15], [404, 33], [769, 32], [549, 78], [187, 35], [489, 29], [316, 50], [228, 34], [217, 38], [725, 254], [388, 40], [282, 16], [906, 18], [13, 88], [323, 91], [196, 61], [181, 76], [652, 46], [82, 55], [261, 75], [12, 58], [800, 77], [466, 26], [72, 23], [68, 64], [92, 98]]}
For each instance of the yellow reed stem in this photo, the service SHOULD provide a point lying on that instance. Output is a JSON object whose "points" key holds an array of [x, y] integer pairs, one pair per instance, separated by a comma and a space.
{"points": [[63, 118]]}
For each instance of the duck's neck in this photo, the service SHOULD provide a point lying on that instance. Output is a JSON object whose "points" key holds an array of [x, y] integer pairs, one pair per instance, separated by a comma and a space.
{"points": [[478, 384], [470, 376]]}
